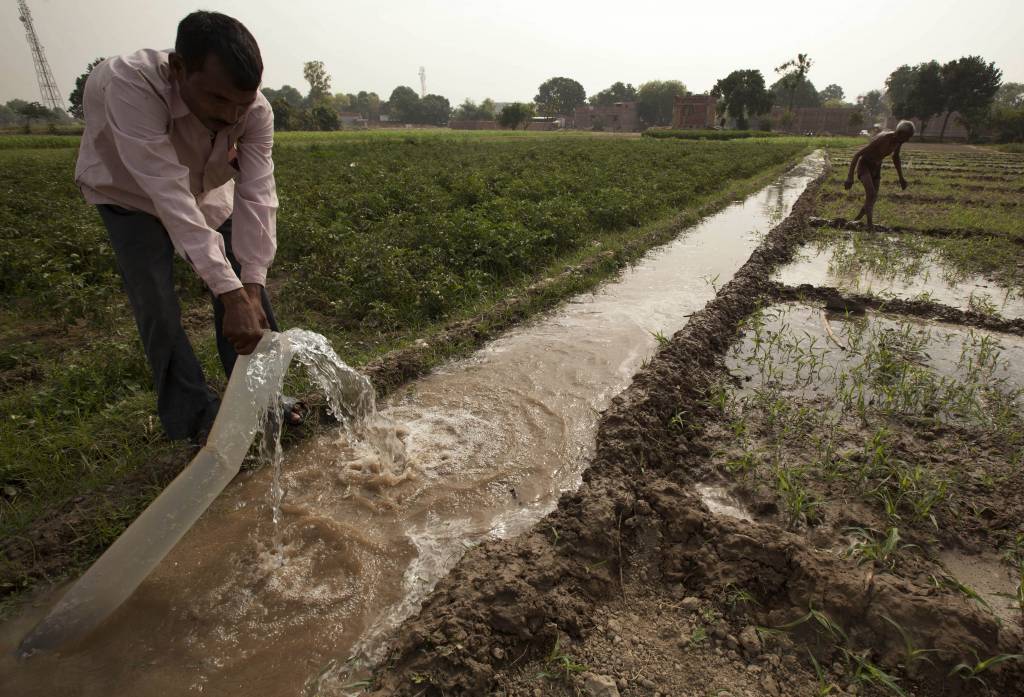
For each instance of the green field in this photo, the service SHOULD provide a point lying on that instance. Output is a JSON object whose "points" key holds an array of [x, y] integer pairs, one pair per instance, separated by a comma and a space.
{"points": [[383, 238]]}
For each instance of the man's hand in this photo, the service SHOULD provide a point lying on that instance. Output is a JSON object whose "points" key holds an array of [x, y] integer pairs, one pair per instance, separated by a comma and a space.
{"points": [[848, 184], [244, 320], [903, 183]]}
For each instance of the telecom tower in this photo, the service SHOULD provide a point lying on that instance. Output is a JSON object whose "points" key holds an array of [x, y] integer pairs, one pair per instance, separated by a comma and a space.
{"points": [[423, 81], [47, 85]]}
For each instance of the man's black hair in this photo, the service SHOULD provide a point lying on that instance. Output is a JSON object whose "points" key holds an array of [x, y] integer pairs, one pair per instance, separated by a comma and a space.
{"points": [[202, 33]]}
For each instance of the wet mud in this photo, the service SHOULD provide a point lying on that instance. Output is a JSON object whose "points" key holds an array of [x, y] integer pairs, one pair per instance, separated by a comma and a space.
{"points": [[917, 308], [635, 585], [844, 224]]}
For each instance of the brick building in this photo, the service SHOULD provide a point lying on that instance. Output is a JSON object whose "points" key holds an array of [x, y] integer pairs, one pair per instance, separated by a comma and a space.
{"points": [[955, 130], [694, 111], [833, 120], [621, 116]]}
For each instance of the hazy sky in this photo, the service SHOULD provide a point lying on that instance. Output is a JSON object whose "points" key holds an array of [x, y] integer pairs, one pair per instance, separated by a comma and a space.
{"points": [[504, 50]]}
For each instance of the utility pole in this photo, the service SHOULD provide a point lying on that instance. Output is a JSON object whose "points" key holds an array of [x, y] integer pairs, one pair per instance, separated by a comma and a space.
{"points": [[423, 82], [47, 85]]}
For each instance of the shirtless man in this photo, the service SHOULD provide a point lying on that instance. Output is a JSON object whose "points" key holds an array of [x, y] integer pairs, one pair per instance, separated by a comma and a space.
{"points": [[868, 163]]}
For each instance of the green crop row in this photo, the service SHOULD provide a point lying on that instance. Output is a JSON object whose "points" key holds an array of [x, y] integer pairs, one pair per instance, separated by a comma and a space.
{"points": [[381, 240], [708, 134]]}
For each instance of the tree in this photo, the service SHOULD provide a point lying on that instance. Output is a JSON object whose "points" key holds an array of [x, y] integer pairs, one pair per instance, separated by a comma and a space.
{"points": [[367, 104], [917, 92], [7, 115], [291, 95], [403, 104], [433, 110], [832, 95], [325, 118], [743, 94], [794, 74], [319, 81], [1007, 123], [898, 86], [33, 110], [805, 95], [1010, 94], [469, 111], [655, 100], [516, 114], [969, 85], [75, 107], [282, 114], [618, 92], [559, 96], [873, 105]]}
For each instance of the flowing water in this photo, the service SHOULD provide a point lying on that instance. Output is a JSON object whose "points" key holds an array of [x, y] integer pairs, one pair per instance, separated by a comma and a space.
{"points": [[371, 516]]}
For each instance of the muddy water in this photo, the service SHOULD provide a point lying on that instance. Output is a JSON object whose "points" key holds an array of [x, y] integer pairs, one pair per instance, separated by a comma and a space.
{"points": [[795, 342], [490, 443], [897, 272]]}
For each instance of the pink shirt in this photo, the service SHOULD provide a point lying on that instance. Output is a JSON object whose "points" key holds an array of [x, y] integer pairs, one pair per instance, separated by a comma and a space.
{"points": [[143, 149]]}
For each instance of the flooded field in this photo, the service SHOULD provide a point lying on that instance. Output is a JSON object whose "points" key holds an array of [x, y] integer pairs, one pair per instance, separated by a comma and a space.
{"points": [[489, 444], [795, 496]]}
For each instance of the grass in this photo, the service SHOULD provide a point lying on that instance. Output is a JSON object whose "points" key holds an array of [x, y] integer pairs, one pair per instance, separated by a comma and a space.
{"points": [[383, 239]]}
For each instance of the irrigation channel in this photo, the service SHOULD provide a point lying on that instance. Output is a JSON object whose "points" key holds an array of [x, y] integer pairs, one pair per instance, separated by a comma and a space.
{"points": [[485, 446]]}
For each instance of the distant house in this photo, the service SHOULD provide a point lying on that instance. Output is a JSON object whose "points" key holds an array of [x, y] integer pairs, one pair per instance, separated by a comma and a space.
{"points": [[545, 123], [352, 119], [694, 111], [955, 129], [825, 120], [619, 117]]}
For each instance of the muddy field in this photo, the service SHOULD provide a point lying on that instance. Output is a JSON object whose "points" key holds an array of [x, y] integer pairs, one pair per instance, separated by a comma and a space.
{"points": [[814, 488]]}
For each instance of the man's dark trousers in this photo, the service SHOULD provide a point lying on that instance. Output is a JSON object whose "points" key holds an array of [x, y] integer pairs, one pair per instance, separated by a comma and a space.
{"points": [[145, 257]]}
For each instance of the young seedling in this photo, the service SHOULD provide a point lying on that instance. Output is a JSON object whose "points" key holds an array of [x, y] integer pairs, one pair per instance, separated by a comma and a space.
{"points": [[912, 654], [868, 673], [560, 665], [969, 672]]}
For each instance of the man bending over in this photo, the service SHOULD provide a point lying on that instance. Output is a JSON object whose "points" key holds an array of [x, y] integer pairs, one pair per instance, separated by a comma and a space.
{"points": [[176, 156], [868, 164]]}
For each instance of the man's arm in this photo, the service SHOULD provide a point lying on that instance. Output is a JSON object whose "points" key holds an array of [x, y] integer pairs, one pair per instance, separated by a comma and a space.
{"points": [[853, 165], [254, 219], [138, 120], [898, 164]]}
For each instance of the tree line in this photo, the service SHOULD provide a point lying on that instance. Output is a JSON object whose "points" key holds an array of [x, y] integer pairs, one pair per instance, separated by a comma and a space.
{"points": [[969, 86]]}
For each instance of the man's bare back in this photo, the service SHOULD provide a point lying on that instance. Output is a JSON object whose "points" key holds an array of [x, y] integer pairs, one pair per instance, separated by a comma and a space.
{"points": [[867, 162]]}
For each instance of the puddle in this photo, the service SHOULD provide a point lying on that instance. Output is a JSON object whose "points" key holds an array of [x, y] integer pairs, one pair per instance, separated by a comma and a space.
{"points": [[719, 502], [889, 268], [490, 444], [880, 360], [989, 577]]}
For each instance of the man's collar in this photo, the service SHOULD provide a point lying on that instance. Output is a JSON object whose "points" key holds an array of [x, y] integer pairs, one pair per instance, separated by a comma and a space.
{"points": [[179, 108]]}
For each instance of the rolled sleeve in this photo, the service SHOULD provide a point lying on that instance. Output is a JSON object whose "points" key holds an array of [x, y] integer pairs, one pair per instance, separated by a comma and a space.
{"points": [[139, 122], [254, 220]]}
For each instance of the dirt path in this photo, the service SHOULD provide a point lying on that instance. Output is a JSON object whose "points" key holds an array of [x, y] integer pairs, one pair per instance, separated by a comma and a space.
{"points": [[634, 586]]}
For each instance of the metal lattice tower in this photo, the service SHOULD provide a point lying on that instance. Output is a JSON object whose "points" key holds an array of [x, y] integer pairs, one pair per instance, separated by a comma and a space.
{"points": [[423, 81], [47, 85]]}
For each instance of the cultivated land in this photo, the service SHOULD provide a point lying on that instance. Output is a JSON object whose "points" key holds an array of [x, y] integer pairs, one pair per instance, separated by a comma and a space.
{"points": [[812, 489], [385, 238]]}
